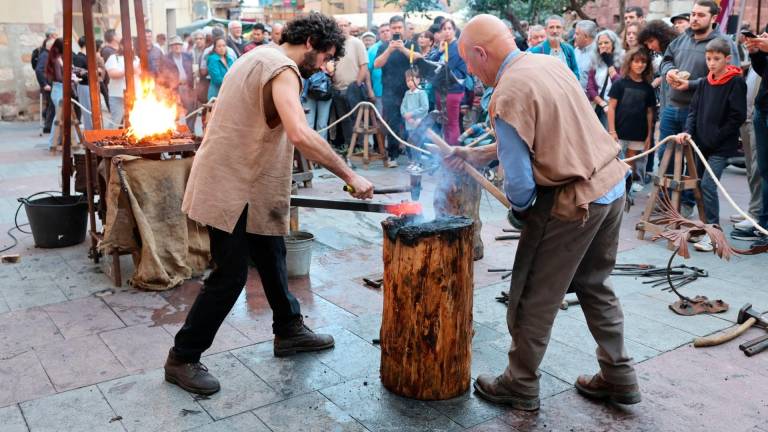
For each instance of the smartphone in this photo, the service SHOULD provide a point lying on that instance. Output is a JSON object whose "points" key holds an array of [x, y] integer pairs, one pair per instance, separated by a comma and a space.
{"points": [[396, 36], [749, 34]]}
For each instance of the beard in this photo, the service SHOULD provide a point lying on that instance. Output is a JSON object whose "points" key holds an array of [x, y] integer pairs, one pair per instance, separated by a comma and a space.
{"points": [[701, 30], [307, 66]]}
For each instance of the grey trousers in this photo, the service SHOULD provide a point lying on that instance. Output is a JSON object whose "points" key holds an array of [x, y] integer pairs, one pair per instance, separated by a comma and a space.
{"points": [[753, 175], [551, 256]]}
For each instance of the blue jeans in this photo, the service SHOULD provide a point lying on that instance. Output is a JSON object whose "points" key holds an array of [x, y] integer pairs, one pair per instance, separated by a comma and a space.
{"points": [[761, 143], [318, 114], [57, 93], [672, 123], [116, 110], [709, 188]]}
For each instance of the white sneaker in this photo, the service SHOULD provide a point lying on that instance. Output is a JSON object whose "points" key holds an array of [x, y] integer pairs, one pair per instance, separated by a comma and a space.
{"points": [[704, 245], [735, 218], [392, 163], [637, 187], [743, 225]]}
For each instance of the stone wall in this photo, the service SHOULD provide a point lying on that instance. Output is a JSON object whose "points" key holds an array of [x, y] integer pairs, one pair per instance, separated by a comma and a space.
{"points": [[19, 92]]}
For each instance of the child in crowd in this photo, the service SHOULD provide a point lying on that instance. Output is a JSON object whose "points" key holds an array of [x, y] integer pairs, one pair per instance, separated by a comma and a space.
{"points": [[414, 108], [717, 111], [631, 107]]}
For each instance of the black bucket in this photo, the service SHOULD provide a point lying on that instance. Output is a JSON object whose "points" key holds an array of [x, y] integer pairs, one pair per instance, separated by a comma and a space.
{"points": [[57, 221]]}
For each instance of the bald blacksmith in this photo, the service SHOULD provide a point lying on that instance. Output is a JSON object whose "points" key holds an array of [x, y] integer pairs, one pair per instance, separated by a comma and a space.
{"points": [[566, 183], [240, 187]]}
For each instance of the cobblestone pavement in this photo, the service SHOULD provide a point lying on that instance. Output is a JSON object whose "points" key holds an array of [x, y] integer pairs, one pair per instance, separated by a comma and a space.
{"points": [[77, 354]]}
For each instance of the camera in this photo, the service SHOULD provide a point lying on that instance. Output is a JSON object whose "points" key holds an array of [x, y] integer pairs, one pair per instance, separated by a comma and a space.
{"points": [[396, 36]]}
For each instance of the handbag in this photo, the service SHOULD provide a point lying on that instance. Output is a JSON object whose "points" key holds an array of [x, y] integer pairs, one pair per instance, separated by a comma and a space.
{"points": [[319, 86]]}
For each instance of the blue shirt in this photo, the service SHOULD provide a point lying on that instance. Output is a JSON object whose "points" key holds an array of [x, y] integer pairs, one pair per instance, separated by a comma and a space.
{"points": [[515, 158], [375, 72]]}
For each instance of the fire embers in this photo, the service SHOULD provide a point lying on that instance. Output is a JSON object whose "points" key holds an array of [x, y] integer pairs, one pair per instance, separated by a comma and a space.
{"points": [[151, 118]]}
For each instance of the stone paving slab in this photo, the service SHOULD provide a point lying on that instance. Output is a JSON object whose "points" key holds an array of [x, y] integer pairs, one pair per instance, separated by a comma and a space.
{"points": [[12, 419], [245, 390], [367, 401], [147, 403], [24, 329], [22, 378], [84, 409], [140, 347], [245, 422], [83, 317], [311, 412]]}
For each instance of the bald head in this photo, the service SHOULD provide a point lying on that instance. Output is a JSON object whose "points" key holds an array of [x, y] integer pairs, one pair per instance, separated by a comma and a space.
{"points": [[344, 25], [484, 44]]}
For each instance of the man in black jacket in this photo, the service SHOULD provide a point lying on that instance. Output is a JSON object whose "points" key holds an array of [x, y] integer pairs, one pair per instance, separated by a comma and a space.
{"points": [[717, 111], [48, 111], [758, 47]]}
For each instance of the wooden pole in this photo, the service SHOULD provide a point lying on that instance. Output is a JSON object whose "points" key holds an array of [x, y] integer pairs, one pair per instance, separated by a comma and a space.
{"points": [[130, 89], [65, 117], [141, 37], [93, 72]]}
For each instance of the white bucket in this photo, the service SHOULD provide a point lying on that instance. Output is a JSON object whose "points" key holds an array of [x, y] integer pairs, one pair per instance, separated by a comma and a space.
{"points": [[298, 246]]}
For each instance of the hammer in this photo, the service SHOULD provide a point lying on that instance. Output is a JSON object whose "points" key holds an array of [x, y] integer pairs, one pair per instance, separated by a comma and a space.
{"points": [[747, 318]]}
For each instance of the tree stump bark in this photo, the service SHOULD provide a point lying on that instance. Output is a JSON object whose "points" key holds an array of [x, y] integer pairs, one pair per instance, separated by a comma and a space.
{"points": [[426, 331], [458, 194]]}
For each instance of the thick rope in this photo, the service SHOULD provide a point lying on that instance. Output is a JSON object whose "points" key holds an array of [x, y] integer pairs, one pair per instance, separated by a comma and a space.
{"points": [[82, 108]]}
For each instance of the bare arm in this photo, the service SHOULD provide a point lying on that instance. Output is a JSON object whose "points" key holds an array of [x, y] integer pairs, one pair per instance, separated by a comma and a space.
{"points": [[612, 117], [362, 73], [311, 145]]}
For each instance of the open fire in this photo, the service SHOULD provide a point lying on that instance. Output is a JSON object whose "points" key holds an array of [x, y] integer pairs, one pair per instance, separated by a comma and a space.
{"points": [[151, 118]]}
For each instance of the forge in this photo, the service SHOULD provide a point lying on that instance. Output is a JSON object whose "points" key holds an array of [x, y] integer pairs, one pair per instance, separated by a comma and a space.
{"points": [[426, 331]]}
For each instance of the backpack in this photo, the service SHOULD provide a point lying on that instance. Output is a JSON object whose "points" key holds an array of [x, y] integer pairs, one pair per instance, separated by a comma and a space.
{"points": [[319, 86], [35, 58]]}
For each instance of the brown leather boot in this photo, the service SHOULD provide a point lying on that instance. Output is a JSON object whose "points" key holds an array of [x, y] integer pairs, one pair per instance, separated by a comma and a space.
{"points": [[192, 377], [595, 387], [491, 388], [299, 338]]}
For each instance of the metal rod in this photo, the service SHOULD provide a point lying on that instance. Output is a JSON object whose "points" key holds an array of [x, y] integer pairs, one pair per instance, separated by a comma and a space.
{"points": [[93, 72], [65, 116], [130, 89], [141, 37], [339, 204]]}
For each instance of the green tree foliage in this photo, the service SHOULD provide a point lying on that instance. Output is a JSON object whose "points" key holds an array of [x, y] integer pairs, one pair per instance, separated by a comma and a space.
{"points": [[531, 10]]}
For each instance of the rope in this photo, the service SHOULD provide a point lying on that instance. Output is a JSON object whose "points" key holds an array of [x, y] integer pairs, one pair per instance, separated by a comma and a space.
{"points": [[380, 117], [649, 151], [82, 108]]}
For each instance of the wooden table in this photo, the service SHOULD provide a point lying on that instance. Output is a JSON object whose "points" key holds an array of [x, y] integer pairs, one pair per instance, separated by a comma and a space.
{"points": [[107, 153]]}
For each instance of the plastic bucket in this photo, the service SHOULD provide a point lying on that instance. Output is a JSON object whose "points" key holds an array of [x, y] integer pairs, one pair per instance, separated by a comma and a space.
{"points": [[298, 246], [57, 221]]}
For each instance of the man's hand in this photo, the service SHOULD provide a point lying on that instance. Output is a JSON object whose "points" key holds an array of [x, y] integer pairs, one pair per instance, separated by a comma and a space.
{"points": [[681, 85], [672, 77], [362, 188], [396, 45], [682, 137], [757, 44], [47, 88]]}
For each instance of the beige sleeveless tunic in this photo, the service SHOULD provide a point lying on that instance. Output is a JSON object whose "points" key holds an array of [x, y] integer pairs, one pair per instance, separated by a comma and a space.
{"points": [[242, 161]]}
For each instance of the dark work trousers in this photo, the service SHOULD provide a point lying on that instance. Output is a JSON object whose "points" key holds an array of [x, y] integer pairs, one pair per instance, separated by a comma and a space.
{"points": [[48, 110], [391, 104], [231, 253], [343, 102]]}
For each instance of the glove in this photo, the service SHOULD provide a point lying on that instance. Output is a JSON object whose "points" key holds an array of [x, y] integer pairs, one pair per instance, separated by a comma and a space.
{"points": [[517, 219], [607, 58]]}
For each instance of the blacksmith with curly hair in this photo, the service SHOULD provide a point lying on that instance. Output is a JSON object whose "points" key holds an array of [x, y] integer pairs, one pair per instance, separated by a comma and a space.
{"points": [[240, 187]]}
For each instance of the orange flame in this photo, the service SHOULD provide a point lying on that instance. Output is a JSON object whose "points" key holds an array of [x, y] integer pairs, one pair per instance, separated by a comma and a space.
{"points": [[150, 116], [405, 208]]}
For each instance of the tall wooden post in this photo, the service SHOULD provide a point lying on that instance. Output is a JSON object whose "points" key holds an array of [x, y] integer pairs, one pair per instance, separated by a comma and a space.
{"points": [[65, 117], [141, 37], [93, 72], [130, 89]]}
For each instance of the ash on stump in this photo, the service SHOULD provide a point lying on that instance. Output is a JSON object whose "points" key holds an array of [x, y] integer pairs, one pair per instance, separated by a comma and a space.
{"points": [[426, 331]]}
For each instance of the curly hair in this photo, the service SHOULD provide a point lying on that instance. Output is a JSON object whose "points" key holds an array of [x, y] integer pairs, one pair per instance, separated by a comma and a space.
{"points": [[659, 30], [322, 31], [642, 53]]}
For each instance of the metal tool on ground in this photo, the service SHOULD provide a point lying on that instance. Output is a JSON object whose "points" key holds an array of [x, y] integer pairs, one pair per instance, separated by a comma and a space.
{"points": [[373, 283], [511, 230], [507, 272], [398, 209], [747, 317], [445, 149], [568, 303], [508, 237], [752, 342], [757, 347]]}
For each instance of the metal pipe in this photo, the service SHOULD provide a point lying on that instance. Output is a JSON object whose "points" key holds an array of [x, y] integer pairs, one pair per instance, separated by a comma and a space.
{"points": [[130, 89], [65, 116]]}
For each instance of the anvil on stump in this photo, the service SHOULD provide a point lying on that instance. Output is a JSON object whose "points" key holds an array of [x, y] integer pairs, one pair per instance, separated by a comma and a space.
{"points": [[426, 330]]}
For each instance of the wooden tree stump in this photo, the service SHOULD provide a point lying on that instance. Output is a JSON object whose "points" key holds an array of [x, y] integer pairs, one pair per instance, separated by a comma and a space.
{"points": [[426, 331], [458, 194]]}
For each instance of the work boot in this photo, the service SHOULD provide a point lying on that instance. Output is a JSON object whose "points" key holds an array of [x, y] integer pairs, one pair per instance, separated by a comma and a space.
{"points": [[491, 388], [192, 377], [299, 338], [595, 387]]}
